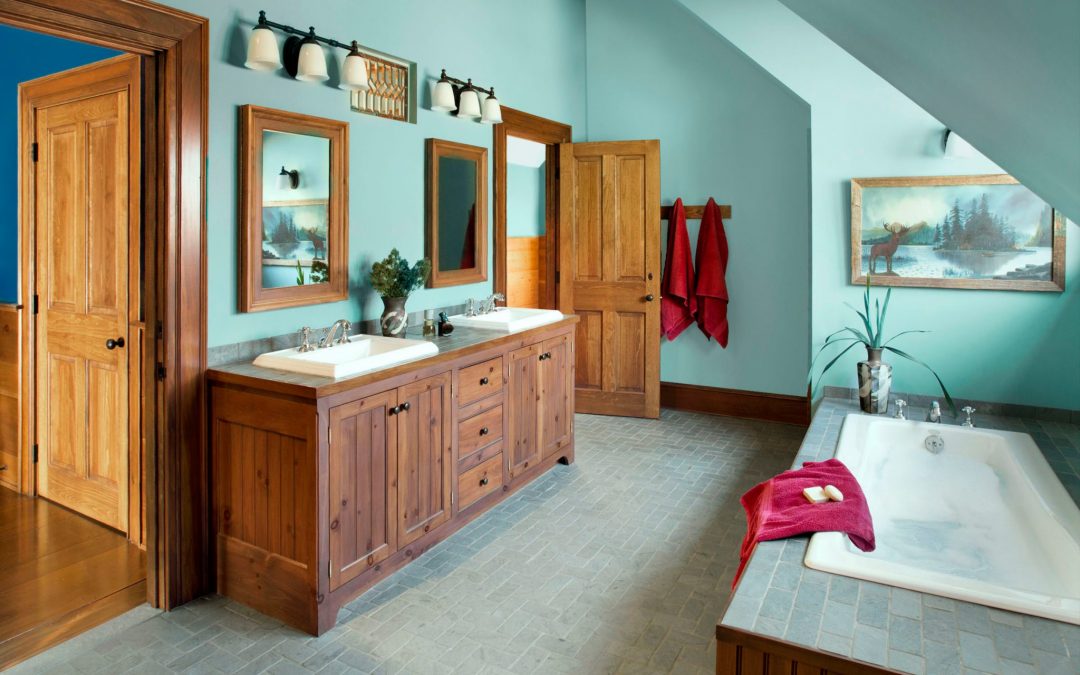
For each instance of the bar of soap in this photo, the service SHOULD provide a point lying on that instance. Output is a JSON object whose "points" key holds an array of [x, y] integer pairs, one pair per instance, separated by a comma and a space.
{"points": [[815, 495], [833, 493]]}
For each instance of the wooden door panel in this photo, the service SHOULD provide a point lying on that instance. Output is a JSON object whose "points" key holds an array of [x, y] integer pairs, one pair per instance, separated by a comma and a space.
{"points": [[556, 410], [363, 455], [618, 339], [523, 445], [425, 466], [82, 187]]}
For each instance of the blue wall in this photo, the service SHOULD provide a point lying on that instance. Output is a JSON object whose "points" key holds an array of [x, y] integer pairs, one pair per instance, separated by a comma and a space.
{"points": [[729, 130], [505, 44], [1017, 347], [49, 55], [525, 195]]}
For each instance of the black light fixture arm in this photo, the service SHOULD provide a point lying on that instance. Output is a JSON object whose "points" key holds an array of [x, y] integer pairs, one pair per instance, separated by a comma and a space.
{"points": [[263, 21], [462, 83]]}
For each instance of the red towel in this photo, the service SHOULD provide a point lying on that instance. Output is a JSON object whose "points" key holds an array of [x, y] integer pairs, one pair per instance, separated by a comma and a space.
{"points": [[776, 509], [678, 306], [712, 293], [468, 246]]}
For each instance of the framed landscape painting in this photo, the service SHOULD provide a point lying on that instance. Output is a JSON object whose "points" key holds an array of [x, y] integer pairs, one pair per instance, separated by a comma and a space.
{"points": [[978, 232]]}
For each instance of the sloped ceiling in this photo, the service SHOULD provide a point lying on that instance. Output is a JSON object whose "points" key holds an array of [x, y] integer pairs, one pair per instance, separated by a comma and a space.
{"points": [[1004, 74]]}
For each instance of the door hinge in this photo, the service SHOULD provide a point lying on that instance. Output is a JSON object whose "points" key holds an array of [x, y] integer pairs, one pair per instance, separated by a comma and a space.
{"points": [[35, 304], [556, 172], [34, 151], [556, 276], [159, 329], [35, 453], [330, 569], [161, 371]]}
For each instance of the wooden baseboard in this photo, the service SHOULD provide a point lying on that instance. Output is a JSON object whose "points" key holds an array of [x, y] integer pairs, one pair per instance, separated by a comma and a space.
{"points": [[736, 403]]}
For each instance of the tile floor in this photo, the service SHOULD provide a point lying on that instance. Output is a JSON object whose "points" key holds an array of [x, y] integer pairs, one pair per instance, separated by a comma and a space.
{"points": [[620, 563]]}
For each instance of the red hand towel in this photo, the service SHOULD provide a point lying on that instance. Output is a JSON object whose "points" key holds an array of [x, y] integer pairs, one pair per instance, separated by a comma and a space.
{"points": [[677, 302], [468, 246], [712, 258], [776, 509]]}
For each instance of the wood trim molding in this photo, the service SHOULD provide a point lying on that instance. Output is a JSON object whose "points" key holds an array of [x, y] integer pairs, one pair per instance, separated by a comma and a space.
{"points": [[695, 212], [736, 403], [551, 133], [175, 73]]}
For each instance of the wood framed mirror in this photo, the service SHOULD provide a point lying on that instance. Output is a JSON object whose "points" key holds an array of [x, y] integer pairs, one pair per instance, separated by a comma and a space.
{"points": [[294, 215], [456, 241]]}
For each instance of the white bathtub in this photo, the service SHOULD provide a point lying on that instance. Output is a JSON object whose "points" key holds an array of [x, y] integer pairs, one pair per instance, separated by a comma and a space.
{"points": [[986, 520]]}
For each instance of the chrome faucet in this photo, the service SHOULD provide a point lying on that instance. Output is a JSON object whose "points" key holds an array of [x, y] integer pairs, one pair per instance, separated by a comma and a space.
{"points": [[328, 339], [900, 404], [487, 305], [934, 414], [470, 307], [967, 410], [305, 340]]}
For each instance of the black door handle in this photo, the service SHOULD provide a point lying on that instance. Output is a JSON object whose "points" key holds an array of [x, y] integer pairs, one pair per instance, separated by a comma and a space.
{"points": [[113, 344], [649, 297]]}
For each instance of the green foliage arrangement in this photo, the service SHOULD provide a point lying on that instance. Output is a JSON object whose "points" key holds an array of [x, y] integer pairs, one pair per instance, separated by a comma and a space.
{"points": [[392, 277], [871, 336]]}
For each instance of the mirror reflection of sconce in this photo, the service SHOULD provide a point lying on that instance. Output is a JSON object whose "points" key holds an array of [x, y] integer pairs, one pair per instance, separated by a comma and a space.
{"points": [[288, 180]]}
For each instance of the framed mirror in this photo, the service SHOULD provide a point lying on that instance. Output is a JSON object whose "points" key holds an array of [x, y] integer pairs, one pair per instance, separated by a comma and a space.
{"points": [[456, 213], [294, 230]]}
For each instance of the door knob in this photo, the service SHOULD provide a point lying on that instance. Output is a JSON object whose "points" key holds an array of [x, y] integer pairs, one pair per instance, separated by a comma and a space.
{"points": [[650, 297], [113, 344]]}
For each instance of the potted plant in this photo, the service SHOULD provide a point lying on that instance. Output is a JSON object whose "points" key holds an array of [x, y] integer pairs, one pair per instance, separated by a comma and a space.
{"points": [[393, 279], [875, 376]]}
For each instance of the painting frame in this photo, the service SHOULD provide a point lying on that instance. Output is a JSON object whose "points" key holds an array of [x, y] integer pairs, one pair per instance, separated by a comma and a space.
{"points": [[1056, 282]]}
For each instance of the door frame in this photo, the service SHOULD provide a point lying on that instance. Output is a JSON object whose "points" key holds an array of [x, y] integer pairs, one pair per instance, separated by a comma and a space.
{"points": [[173, 46], [550, 133]]}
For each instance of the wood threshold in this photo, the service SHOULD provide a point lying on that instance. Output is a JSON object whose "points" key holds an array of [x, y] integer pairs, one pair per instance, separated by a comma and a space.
{"points": [[736, 403]]}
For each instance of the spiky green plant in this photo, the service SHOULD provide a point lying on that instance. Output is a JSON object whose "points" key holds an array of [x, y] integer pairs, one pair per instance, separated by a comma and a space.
{"points": [[871, 335], [392, 277], [299, 274]]}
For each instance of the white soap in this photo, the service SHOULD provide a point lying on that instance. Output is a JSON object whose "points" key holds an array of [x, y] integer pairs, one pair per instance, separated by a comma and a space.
{"points": [[833, 493], [815, 495]]}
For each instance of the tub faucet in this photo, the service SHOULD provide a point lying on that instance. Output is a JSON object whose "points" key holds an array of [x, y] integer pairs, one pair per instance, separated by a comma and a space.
{"points": [[328, 339], [900, 405], [967, 410], [934, 414]]}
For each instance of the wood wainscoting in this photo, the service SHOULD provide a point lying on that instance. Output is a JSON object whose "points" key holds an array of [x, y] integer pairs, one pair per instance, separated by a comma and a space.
{"points": [[527, 285], [9, 396], [736, 403], [739, 652]]}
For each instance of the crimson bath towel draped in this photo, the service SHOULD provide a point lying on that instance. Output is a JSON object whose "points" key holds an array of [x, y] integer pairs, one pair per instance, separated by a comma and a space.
{"points": [[711, 290], [678, 305]]}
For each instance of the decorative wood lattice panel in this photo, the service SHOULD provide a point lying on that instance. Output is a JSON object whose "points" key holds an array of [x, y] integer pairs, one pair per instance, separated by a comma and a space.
{"points": [[390, 92]]}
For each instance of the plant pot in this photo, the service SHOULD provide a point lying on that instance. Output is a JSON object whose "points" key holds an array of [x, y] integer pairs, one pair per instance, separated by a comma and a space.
{"points": [[394, 317], [875, 380]]}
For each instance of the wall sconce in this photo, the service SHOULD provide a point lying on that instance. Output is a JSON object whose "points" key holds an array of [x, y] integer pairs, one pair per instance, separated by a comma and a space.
{"points": [[304, 56], [956, 147], [288, 180], [462, 96]]}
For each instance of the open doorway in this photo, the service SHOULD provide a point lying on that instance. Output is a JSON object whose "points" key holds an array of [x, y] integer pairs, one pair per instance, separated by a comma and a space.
{"points": [[72, 486], [527, 208]]}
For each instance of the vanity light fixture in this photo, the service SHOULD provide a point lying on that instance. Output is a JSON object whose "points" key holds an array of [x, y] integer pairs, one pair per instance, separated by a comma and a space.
{"points": [[452, 94], [310, 60], [262, 50], [354, 71], [288, 180], [304, 58]]}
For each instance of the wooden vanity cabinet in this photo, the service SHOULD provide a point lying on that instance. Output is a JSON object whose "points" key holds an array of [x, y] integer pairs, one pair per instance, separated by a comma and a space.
{"points": [[321, 488]]}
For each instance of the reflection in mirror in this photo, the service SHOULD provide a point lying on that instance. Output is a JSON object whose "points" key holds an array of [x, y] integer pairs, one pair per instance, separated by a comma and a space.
{"points": [[526, 222], [295, 213], [457, 213]]}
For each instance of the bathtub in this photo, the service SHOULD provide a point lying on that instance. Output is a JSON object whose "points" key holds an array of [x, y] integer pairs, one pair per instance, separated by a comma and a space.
{"points": [[986, 520]]}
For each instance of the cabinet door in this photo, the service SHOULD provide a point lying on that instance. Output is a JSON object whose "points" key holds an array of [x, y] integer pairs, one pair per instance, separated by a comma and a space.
{"points": [[556, 415], [523, 397], [425, 457], [363, 442]]}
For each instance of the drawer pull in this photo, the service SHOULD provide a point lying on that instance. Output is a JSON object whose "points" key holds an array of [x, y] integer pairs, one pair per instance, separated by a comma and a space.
{"points": [[484, 431], [484, 381], [545, 356], [484, 481]]}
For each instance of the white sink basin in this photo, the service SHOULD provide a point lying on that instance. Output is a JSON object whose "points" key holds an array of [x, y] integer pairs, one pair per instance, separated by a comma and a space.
{"points": [[509, 319], [363, 353]]}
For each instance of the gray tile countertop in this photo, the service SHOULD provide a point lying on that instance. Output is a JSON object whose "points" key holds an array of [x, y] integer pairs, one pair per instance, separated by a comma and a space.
{"points": [[904, 630]]}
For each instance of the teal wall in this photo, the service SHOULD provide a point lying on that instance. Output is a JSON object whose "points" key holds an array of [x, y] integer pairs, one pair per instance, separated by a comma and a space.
{"points": [[507, 44], [525, 194], [1003, 73], [991, 345], [729, 130]]}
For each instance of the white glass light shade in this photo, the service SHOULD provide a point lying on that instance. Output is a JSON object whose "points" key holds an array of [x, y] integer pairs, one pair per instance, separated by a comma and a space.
{"points": [[262, 50], [442, 99], [492, 111], [469, 104], [311, 65], [284, 181], [354, 72]]}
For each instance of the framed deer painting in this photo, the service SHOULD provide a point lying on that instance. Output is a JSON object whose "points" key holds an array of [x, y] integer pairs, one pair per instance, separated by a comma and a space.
{"points": [[975, 232]]}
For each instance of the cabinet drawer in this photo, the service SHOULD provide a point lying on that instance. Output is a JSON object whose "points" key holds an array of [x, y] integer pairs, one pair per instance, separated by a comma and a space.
{"points": [[480, 481], [480, 430], [483, 379], [479, 457]]}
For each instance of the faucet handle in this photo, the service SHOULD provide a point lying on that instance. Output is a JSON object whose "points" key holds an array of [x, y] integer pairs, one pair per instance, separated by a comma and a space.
{"points": [[900, 405], [346, 326], [967, 410], [305, 339]]}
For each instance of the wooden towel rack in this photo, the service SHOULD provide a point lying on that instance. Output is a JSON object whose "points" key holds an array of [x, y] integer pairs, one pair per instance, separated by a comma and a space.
{"points": [[695, 212]]}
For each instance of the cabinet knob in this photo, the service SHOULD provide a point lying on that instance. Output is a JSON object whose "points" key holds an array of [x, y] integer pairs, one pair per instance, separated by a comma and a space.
{"points": [[545, 356], [395, 410], [484, 381], [405, 406], [483, 431], [484, 481]]}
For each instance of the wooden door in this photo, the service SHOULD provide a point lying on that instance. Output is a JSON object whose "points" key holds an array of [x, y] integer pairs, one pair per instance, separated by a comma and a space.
{"points": [[425, 456], [556, 414], [363, 477], [609, 264], [524, 397], [83, 180]]}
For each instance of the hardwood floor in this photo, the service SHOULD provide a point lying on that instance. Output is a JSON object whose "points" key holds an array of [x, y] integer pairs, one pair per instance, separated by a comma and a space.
{"points": [[62, 574]]}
